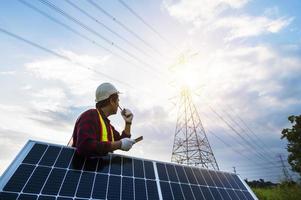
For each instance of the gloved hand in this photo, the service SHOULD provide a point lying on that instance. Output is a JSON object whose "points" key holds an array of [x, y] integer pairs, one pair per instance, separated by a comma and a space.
{"points": [[127, 115], [126, 144]]}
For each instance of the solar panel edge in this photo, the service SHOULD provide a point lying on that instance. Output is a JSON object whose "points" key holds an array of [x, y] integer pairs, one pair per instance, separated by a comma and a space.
{"points": [[12, 167], [248, 188]]}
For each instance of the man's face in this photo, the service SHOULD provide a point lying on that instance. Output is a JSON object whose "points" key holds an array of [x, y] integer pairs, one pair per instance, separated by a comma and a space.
{"points": [[115, 105]]}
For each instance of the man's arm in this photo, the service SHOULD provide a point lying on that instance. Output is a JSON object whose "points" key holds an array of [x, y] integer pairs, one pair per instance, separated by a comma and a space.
{"points": [[127, 128], [115, 145], [128, 118]]}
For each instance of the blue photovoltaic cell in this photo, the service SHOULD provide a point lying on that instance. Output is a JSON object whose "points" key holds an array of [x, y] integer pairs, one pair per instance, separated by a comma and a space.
{"points": [[216, 194], [64, 158], [162, 172], [190, 175], [8, 195], [85, 185], [181, 174], [46, 198], [127, 166], [207, 177], [233, 194], [35, 154], [138, 168], [248, 195], [54, 182], [127, 188], [152, 190], [149, 170], [224, 180], [199, 177], [231, 181], [50, 156], [166, 191], [187, 191], [70, 183], [18, 180], [77, 162], [27, 197], [64, 198], [239, 183], [114, 187], [206, 192], [176, 190], [225, 194], [197, 192], [37, 180], [216, 179], [115, 165], [171, 171], [90, 164], [240, 195], [104, 165], [140, 191], [100, 186]]}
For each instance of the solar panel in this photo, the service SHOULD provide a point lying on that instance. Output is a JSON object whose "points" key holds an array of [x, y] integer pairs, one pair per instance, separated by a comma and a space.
{"points": [[44, 171]]}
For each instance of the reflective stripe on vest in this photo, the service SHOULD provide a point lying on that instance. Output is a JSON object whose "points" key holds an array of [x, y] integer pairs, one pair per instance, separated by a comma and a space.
{"points": [[104, 136]]}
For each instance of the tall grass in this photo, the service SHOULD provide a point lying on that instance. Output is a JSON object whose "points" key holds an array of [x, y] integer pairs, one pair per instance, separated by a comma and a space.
{"points": [[280, 192]]}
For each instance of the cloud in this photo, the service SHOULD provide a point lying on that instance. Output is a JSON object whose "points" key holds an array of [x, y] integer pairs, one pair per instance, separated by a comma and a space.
{"points": [[195, 10], [76, 78], [249, 26], [208, 16], [7, 72]]}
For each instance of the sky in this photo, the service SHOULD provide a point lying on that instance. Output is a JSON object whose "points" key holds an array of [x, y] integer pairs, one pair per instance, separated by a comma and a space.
{"points": [[241, 60]]}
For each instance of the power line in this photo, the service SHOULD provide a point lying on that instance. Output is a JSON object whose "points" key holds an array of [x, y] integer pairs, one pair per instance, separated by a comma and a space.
{"points": [[108, 28], [237, 133], [145, 23], [235, 151], [267, 164], [73, 31], [230, 146], [248, 135], [261, 173], [264, 153], [124, 26], [251, 131], [60, 56], [63, 13], [244, 146], [262, 166], [259, 168]]}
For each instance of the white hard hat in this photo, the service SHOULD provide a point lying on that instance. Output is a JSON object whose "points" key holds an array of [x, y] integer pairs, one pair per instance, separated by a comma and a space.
{"points": [[104, 91]]}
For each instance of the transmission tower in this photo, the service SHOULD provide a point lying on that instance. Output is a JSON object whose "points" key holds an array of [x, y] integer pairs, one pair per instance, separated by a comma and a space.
{"points": [[191, 145], [287, 176]]}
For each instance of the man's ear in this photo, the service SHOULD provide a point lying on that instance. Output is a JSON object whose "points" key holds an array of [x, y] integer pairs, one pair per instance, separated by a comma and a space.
{"points": [[112, 102]]}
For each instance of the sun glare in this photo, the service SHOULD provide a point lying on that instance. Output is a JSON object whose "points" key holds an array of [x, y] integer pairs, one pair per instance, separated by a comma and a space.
{"points": [[186, 78]]}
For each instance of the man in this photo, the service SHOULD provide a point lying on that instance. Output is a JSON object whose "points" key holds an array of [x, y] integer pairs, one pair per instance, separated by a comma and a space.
{"points": [[93, 134]]}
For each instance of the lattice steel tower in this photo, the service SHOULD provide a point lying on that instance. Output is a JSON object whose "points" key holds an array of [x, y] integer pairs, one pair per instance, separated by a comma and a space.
{"points": [[191, 145]]}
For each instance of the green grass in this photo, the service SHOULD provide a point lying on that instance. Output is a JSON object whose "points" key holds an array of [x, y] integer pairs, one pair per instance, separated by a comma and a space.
{"points": [[281, 192]]}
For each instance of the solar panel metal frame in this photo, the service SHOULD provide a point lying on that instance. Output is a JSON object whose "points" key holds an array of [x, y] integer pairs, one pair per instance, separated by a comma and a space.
{"points": [[8, 173]]}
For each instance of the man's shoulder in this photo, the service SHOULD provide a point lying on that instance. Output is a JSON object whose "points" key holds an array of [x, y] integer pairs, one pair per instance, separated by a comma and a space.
{"points": [[91, 113]]}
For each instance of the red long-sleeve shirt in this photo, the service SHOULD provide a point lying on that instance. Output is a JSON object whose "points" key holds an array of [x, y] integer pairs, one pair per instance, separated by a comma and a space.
{"points": [[88, 131]]}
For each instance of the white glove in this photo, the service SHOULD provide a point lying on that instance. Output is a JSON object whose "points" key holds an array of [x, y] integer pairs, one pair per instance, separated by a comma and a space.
{"points": [[127, 143], [127, 115]]}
